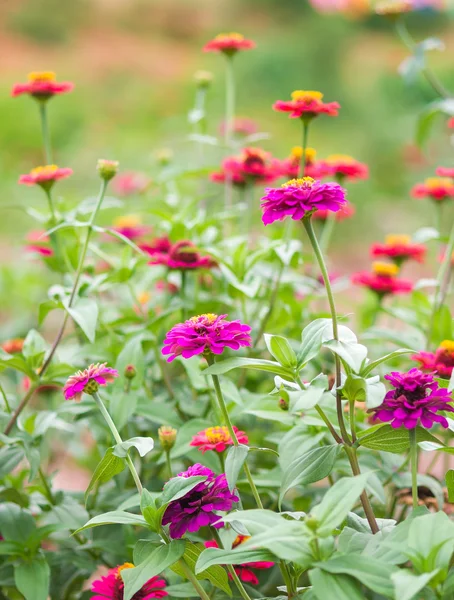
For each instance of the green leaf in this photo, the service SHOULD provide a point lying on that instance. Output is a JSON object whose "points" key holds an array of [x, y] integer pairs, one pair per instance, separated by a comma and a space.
{"points": [[234, 461], [371, 390], [256, 364], [388, 439], [340, 587], [108, 467], [219, 556], [309, 396], [143, 445], [158, 560], [153, 515], [34, 348], [114, 517], [351, 353], [32, 579], [427, 535], [215, 574], [280, 349], [407, 584], [428, 116], [14, 361], [131, 354], [375, 363], [450, 484], [16, 524], [10, 457], [45, 308], [177, 487], [314, 465], [312, 337], [84, 311]]}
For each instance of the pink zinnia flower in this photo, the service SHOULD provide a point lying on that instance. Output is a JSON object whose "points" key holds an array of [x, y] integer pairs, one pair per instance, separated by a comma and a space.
{"points": [[445, 172], [346, 167], [181, 256], [131, 227], [45, 176], [416, 398], [130, 182], [383, 280], [42, 85], [345, 212], [111, 587], [298, 197], [88, 381], [229, 44], [307, 105], [244, 571], [440, 362], [209, 334], [217, 438], [252, 166], [290, 167], [241, 125], [399, 249], [435, 188], [39, 243]]}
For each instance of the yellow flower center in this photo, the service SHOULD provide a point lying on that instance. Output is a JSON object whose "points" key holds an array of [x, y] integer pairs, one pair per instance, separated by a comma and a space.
{"points": [[301, 182], [435, 182], [297, 153], [41, 76], [210, 317], [217, 434], [127, 221], [144, 297], [336, 158], [447, 345], [126, 565], [230, 36], [307, 96], [384, 268], [47, 169], [397, 240]]}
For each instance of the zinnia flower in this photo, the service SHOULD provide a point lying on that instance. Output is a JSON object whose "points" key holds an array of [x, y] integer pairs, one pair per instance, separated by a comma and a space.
{"points": [[181, 256], [197, 508], [42, 86], [13, 346], [229, 44], [129, 183], [45, 176], [130, 226], [290, 167], [298, 197], [383, 280], [345, 212], [39, 243], [441, 362], [252, 166], [88, 381], [111, 587], [343, 167], [217, 438], [307, 105], [399, 249], [445, 172], [241, 126], [415, 400], [244, 571], [205, 334], [435, 188]]}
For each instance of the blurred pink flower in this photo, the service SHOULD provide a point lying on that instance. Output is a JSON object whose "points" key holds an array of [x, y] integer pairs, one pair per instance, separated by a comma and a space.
{"points": [[42, 85], [88, 381], [307, 104], [45, 176], [229, 44], [130, 182]]}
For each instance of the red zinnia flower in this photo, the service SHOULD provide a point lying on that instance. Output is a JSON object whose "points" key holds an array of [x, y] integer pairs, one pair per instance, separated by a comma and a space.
{"points": [[45, 176], [383, 280], [441, 362], [217, 438], [345, 212], [290, 167], [88, 381], [179, 256], [252, 166], [445, 172], [111, 587], [13, 346], [435, 188], [229, 44], [399, 249], [130, 226], [42, 85], [346, 167], [307, 104]]}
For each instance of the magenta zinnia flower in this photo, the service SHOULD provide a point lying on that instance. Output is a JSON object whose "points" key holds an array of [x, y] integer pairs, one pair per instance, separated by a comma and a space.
{"points": [[111, 587], [42, 86], [181, 256], [217, 438], [88, 381], [197, 508], [440, 362], [208, 333], [244, 571], [298, 197], [415, 400]]}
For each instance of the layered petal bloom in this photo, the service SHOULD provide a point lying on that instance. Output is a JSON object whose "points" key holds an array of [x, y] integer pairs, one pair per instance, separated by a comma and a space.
{"points": [[229, 43], [88, 381], [39, 243], [217, 438], [416, 399], [45, 176], [111, 586], [298, 197], [130, 226], [42, 86], [13, 346], [399, 248], [383, 280], [253, 166], [290, 167], [435, 188], [245, 571], [199, 507], [307, 104], [343, 167], [440, 362], [345, 212], [130, 183], [205, 334], [445, 172], [182, 255]]}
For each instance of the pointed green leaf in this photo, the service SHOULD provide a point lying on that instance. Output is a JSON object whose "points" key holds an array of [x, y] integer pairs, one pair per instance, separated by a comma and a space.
{"points": [[109, 466]]}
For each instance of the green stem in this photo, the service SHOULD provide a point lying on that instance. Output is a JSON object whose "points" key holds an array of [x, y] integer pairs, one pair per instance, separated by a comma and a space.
{"points": [[118, 439], [238, 583], [169, 463], [51, 205], [353, 459], [45, 130], [303, 160], [229, 101], [5, 399], [414, 466], [183, 293], [19, 409], [271, 305], [323, 416], [352, 420]]}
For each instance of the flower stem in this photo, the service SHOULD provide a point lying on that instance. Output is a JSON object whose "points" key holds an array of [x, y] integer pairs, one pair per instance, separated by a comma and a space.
{"points": [[45, 130], [229, 101], [414, 466], [118, 439], [169, 463], [353, 459], [183, 293], [5, 399], [302, 165]]}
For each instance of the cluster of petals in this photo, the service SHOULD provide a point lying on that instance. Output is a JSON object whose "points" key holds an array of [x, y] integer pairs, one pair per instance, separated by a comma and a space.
{"points": [[440, 362], [111, 586], [383, 279], [182, 255], [42, 85], [241, 126], [198, 508], [45, 176], [416, 399], [229, 43], [245, 571], [98, 373], [13, 346], [130, 183], [290, 167], [130, 226], [307, 104], [299, 197], [217, 439], [435, 188], [345, 212], [38, 243], [343, 166], [399, 248], [208, 333], [252, 166]]}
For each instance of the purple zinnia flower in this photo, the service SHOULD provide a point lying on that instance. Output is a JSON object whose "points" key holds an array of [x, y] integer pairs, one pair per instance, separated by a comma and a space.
{"points": [[205, 334], [415, 399], [298, 197], [88, 381], [196, 508]]}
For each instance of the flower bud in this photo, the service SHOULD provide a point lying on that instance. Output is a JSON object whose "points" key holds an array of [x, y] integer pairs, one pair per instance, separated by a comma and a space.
{"points": [[107, 169], [130, 371], [203, 79], [167, 437], [164, 156], [283, 404], [311, 522]]}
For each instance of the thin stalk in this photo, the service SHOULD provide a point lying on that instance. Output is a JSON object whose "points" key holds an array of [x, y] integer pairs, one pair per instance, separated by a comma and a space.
{"points": [[183, 293], [19, 409], [353, 459], [169, 464], [238, 583], [228, 131], [414, 466], [46, 486], [5, 399], [352, 420], [51, 205], [45, 130], [323, 416], [302, 165], [164, 373]]}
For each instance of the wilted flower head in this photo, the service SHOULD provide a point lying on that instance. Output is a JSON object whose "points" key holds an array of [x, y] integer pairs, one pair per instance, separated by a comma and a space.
{"points": [[307, 105], [205, 334], [107, 169], [245, 571], [435, 188], [130, 182], [42, 85], [111, 586], [252, 166], [440, 362], [229, 44], [399, 249], [39, 243], [416, 399], [197, 508], [13, 346], [345, 212], [299, 197], [383, 280], [343, 167], [45, 176], [217, 438], [130, 226], [182, 255], [167, 437], [88, 381]]}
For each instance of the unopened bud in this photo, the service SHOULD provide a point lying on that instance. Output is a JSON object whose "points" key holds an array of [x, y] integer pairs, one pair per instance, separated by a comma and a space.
{"points": [[164, 156], [167, 436], [283, 404], [311, 522], [130, 371], [203, 79], [107, 168]]}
